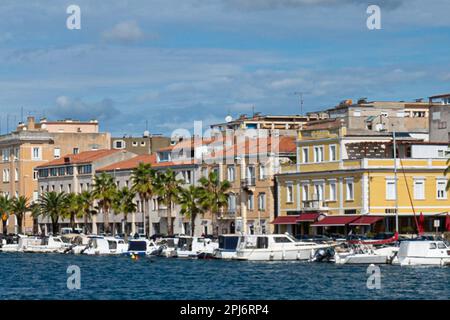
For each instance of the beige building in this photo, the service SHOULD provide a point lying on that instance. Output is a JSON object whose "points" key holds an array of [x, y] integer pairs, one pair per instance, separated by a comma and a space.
{"points": [[147, 144], [35, 143], [74, 173]]}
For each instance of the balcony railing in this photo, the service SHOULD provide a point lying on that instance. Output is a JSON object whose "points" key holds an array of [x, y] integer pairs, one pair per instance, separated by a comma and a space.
{"points": [[248, 182], [313, 204], [164, 213]]}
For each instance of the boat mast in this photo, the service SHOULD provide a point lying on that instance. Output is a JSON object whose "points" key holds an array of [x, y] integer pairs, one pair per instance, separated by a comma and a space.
{"points": [[395, 178]]}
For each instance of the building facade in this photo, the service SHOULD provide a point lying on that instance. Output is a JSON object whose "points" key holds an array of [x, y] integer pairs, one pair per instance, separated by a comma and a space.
{"points": [[74, 173], [344, 176], [147, 144], [35, 143]]}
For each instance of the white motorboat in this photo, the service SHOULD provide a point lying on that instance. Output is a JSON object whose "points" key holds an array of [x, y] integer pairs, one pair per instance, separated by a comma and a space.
{"points": [[105, 246], [191, 247], [15, 246], [227, 246], [423, 252], [275, 247], [142, 247], [167, 247], [48, 244], [366, 254]]}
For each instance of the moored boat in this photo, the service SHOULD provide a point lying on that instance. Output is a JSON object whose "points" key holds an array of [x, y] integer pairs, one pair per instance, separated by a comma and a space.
{"points": [[423, 252], [275, 247], [227, 246], [192, 247]]}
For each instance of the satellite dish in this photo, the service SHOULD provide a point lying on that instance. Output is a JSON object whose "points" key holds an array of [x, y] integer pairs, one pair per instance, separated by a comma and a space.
{"points": [[228, 118]]}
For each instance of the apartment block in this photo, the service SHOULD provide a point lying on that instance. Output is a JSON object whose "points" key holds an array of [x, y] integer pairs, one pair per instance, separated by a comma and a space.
{"points": [[35, 143]]}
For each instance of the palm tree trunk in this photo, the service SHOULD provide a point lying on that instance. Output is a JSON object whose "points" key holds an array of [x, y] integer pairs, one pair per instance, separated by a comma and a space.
{"points": [[171, 220], [106, 220], [19, 224], [125, 229], [4, 227], [85, 218], [192, 224], [72, 221], [54, 226]]}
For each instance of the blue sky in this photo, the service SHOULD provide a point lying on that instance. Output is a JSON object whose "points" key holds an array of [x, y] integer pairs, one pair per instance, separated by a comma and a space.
{"points": [[173, 62]]}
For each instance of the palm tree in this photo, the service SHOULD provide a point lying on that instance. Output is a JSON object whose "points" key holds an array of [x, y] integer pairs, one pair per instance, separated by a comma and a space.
{"points": [[104, 191], [52, 204], [124, 203], [87, 202], [168, 188], [214, 195], [73, 208], [144, 180], [5, 209], [190, 204], [19, 207]]}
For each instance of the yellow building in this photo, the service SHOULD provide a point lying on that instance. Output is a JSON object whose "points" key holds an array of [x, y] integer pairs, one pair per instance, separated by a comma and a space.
{"points": [[344, 176]]}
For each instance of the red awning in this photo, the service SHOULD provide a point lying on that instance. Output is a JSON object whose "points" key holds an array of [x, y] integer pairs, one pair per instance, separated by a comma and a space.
{"points": [[285, 220], [366, 220], [305, 217], [334, 221]]}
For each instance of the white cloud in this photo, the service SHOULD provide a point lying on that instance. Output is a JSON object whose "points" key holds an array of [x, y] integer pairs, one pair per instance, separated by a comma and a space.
{"points": [[127, 31], [77, 109]]}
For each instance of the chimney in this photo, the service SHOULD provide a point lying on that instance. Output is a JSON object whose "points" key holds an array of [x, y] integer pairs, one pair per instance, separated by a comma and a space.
{"points": [[31, 124]]}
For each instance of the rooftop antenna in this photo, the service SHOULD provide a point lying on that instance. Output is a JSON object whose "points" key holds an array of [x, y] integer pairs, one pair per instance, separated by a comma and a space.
{"points": [[300, 93], [253, 110]]}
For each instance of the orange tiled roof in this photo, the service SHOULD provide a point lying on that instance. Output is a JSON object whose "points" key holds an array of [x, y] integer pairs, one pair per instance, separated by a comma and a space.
{"points": [[278, 145], [82, 157], [130, 163]]}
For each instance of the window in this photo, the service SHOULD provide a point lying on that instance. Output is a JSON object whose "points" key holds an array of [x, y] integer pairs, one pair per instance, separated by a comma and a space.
{"points": [[289, 193], [432, 245], [187, 176], [230, 173], [57, 153], [205, 172], [16, 174], [251, 201], [390, 189], [305, 192], [333, 191], [16, 153], [62, 171], [441, 193], [318, 191], [5, 154], [85, 169], [135, 143], [442, 125], [142, 143], [76, 150], [35, 196], [119, 144], [35, 174], [36, 153], [53, 172], [419, 189], [357, 113], [231, 202], [5, 175], [305, 152], [333, 152], [262, 201], [262, 172], [318, 154], [350, 190]]}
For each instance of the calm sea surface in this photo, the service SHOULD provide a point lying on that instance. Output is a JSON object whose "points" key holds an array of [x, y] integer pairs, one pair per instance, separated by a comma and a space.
{"points": [[41, 276]]}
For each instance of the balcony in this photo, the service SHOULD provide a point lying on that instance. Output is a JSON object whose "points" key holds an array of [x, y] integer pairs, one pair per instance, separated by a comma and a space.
{"points": [[248, 182], [314, 205], [163, 212]]}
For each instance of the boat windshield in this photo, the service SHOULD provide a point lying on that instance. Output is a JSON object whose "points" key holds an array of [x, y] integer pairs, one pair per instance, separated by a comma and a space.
{"points": [[137, 246], [229, 243]]}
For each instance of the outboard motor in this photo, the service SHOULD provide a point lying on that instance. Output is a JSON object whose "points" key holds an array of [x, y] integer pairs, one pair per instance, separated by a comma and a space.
{"points": [[324, 255]]}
